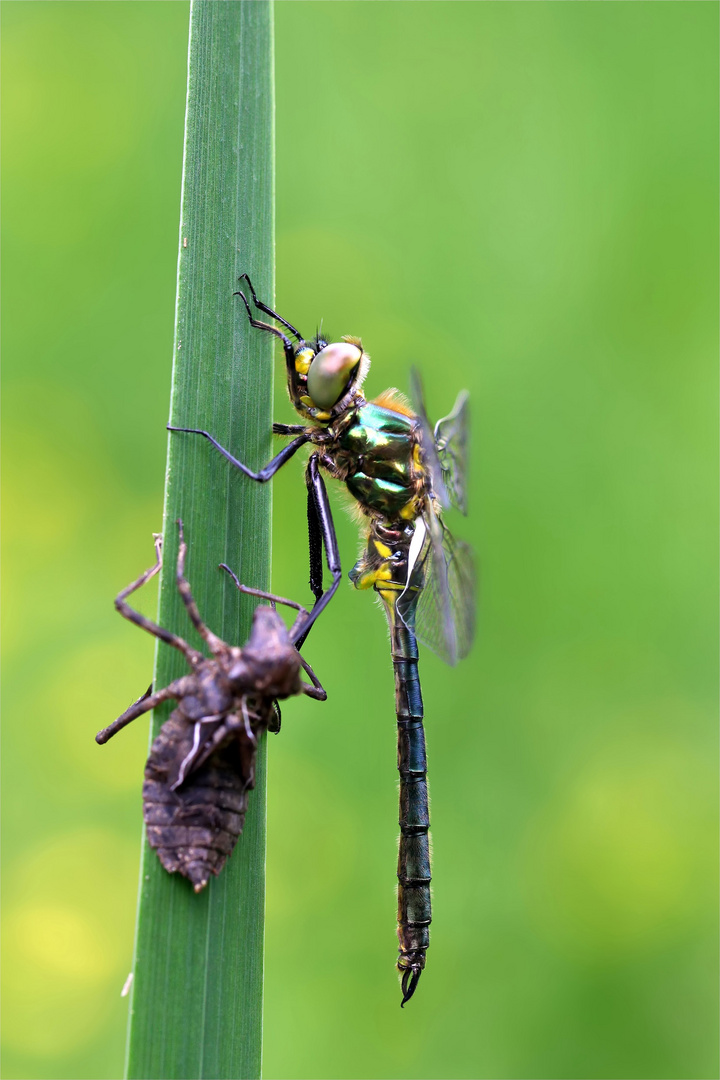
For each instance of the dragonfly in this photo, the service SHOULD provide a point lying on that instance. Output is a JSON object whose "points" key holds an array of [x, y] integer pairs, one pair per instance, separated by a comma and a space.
{"points": [[201, 766], [404, 474]]}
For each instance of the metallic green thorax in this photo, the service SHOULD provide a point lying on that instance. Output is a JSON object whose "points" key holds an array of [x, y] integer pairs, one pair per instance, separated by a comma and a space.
{"points": [[378, 448]]}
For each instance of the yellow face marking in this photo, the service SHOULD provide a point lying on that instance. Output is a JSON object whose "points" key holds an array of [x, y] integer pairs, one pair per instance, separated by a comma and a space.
{"points": [[312, 409], [303, 361], [382, 549]]}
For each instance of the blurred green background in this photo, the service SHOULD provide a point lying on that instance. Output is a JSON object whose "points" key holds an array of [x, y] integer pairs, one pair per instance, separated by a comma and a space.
{"points": [[521, 199]]}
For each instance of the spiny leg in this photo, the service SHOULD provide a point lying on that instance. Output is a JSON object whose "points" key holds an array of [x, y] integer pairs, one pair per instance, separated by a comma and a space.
{"points": [[142, 697], [191, 655], [315, 546], [275, 723], [321, 508], [321, 530], [142, 705], [215, 644], [303, 615], [248, 590], [264, 474], [288, 429], [317, 690], [320, 523], [148, 574], [267, 310]]}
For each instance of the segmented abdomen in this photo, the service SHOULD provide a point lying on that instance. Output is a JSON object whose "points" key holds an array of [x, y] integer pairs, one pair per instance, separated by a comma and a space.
{"points": [[195, 828], [414, 902]]}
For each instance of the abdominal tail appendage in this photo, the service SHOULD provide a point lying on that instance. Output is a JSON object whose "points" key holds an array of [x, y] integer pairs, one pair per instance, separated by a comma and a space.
{"points": [[409, 981]]}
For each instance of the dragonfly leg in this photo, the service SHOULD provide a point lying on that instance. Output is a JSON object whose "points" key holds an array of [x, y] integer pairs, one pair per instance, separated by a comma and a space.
{"points": [[321, 531], [288, 429], [287, 343], [315, 545], [314, 691], [264, 474], [263, 307], [276, 721]]}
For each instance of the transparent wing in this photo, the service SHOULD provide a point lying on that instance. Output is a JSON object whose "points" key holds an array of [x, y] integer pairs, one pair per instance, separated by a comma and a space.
{"points": [[439, 603], [446, 448], [451, 444], [431, 460]]}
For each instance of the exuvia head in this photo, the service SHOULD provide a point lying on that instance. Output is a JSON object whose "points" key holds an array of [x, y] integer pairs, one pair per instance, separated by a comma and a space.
{"points": [[269, 662]]}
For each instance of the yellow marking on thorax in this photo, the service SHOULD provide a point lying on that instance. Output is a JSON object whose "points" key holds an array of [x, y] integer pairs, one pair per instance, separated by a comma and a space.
{"points": [[370, 579], [383, 572]]}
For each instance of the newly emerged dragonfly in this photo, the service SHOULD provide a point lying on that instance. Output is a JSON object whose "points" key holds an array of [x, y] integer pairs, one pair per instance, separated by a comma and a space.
{"points": [[201, 766], [403, 474]]}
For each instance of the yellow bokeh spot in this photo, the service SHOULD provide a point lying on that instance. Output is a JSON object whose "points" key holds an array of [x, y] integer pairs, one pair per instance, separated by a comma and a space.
{"points": [[67, 939], [58, 941]]}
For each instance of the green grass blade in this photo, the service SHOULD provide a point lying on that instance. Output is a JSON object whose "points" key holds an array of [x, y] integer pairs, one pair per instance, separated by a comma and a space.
{"points": [[196, 1007]]}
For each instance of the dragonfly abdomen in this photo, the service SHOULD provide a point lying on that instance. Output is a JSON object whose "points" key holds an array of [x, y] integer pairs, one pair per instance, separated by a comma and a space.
{"points": [[414, 903]]}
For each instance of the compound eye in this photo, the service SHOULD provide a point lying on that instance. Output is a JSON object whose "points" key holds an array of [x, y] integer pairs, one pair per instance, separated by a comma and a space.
{"points": [[331, 371]]}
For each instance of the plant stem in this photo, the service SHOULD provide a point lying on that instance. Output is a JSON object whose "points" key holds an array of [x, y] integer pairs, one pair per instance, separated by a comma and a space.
{"points": [[196, 1008]]}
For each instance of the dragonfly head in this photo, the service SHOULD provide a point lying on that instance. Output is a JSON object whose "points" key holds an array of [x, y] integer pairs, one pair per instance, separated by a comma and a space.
{"points": [[269, 663], [325, 375]]}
